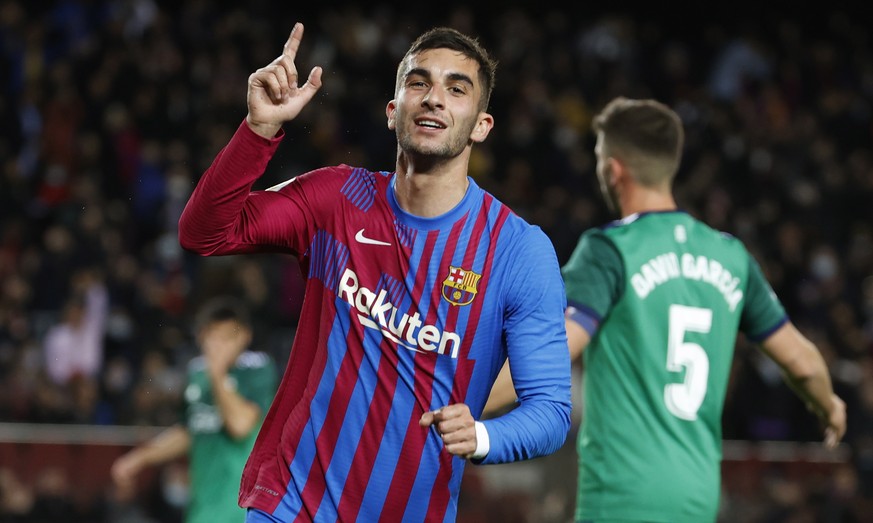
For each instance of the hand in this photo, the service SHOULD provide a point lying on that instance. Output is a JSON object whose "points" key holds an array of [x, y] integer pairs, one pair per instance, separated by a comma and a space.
{"points": [[456, 426], [221, 346], [835, 422], [125, 469], [273, 94]]}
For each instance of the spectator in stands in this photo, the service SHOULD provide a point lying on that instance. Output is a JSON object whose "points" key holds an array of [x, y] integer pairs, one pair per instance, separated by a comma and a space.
{"points": [[74, 347]]}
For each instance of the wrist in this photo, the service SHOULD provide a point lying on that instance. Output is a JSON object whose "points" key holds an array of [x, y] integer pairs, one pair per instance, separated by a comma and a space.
{"points": [[217, 376], [483, 442], [264, 130]]}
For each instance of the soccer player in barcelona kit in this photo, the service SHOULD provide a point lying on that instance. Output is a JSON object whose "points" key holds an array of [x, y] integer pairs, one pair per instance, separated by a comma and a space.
{"points": [[419, 286], [228, 390], [658, 298]]}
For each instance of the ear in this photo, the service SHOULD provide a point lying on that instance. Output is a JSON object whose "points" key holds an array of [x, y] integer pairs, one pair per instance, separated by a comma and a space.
{"points": [[390, 111], [618, 171], [482, 128]]}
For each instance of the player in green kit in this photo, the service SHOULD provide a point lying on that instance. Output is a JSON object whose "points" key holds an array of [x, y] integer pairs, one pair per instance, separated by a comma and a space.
{"points": [[229, 389], [655, 301]]}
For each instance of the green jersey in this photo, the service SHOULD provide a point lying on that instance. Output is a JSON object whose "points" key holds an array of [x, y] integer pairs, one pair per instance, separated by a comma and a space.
{"points": [[663, 296], [216, 460]]}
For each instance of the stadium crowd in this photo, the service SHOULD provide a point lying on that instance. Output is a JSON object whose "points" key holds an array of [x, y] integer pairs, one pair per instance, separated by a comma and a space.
{"points": [[110, 110]]}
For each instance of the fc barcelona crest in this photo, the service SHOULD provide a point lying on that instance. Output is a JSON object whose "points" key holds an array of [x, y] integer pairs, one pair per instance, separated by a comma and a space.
{"points": [[460, 286]]}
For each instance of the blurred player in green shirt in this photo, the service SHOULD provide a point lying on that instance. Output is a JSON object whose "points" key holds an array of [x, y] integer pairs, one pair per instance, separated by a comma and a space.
{"points": [[229, 388], [658, 298]]}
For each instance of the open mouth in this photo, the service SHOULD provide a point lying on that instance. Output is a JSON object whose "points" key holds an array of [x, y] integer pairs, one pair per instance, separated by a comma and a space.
{"points": [[430, 123]]}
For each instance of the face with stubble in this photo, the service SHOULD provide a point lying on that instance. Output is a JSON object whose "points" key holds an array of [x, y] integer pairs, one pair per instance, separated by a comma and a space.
{"points": [[435, 112]]}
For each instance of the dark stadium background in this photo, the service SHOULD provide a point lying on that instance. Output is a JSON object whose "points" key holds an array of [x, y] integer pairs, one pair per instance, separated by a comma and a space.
{"points": [[111, 110]]}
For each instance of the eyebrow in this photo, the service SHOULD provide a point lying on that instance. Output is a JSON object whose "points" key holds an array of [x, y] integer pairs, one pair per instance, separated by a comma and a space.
{"points": [[456, 77]]}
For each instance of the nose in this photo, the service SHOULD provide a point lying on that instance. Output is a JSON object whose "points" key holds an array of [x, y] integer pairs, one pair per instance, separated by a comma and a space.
{"points": [[435, 97]]}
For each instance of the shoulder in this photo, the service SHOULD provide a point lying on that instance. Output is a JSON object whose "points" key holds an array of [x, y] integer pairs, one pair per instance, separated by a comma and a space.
{"points": [[335, 176], [511, 223], [197, 364], [254, 360], [721, 238], [525, 247], [729, 239], [611, 232], [596, 247], [523, 235], [601, 237]]}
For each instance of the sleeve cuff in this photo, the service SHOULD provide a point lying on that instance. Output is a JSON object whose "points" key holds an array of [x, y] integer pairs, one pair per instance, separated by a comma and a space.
{"points": [[251, 135], [483, 444]]}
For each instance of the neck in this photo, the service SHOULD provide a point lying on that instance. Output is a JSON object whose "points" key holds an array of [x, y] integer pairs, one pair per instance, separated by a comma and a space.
{"points": [[643, 199], [430, 189]]}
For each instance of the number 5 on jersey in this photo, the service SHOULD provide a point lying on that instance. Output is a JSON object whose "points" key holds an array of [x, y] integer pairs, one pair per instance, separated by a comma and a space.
{"points": [[684, 399]]}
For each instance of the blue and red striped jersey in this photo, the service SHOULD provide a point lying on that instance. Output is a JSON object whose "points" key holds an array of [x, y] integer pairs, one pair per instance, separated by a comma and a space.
{"points": [[401, 315]]}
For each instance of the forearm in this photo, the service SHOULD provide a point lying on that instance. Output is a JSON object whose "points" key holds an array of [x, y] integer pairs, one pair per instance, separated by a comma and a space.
{"points": [[534, 429], [539, 364], [218, 200], [813, 385], [240, 416], [172, 443], [803, 367], [539, 424], [540, 421]]}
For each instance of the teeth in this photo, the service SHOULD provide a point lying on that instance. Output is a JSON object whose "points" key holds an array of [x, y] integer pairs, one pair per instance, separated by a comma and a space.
{"points": [[428, 123]]}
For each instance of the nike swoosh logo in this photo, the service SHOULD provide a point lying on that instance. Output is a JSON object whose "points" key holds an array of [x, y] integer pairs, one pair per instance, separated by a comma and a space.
{"points": [[360, 238]]}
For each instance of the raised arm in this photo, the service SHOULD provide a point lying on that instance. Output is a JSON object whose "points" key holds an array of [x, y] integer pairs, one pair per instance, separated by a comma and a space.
{"points": [[807, 374], [220, 216]]}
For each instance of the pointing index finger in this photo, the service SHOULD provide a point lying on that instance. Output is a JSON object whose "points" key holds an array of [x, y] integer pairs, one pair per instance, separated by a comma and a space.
{"points": [[293, 43]]}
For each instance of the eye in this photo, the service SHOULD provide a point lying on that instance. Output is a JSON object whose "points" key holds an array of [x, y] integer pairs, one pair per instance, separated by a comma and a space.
{"points": [[416, 84]]}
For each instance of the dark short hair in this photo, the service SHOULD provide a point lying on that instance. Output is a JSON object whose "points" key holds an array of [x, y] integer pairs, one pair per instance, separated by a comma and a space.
{"points": [[645, 133], [449, 38], [222, 308]]}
